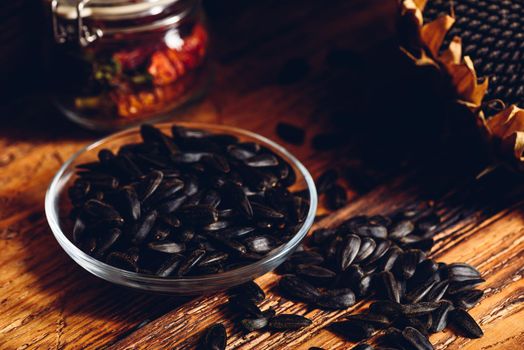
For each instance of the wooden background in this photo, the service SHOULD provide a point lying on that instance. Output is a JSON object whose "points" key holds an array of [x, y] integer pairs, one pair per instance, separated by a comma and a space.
{"points": [[396, 154]]}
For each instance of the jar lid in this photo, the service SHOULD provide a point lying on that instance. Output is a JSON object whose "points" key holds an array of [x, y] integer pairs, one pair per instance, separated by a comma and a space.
{"points": [[112, 10]]}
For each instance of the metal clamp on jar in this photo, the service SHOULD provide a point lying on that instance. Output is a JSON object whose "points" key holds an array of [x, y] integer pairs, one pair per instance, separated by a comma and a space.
{"points": [[116, 63]]}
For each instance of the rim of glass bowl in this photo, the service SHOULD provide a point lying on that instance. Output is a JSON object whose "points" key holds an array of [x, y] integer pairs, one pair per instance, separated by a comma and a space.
{"points": [[52, 199]]}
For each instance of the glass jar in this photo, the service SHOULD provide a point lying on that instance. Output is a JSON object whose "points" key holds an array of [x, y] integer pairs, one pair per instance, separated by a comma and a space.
{"points": [[116, 63]]}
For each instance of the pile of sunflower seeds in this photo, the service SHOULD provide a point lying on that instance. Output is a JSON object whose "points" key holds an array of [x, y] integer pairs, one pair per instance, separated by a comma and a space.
{"points": [[378, 258], [192, 203], [243, 303], [385, 259]]}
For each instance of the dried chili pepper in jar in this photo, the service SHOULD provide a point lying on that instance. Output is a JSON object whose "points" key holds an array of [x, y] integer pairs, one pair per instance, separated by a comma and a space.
{"points": [[117, 63]]}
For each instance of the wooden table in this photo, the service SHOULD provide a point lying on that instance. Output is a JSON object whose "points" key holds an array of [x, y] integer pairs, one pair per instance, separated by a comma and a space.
{"points": [[48, 302]]}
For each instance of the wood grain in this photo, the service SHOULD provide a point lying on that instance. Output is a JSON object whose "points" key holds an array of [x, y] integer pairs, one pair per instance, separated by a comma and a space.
{"points": [[48, 302]]}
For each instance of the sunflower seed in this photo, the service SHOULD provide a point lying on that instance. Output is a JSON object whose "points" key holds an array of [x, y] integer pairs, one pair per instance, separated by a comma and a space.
{"points": [[246, 306], [367, 247], [416, 339], [352, 330], [169, 266], [401, 229], [298, 288], [458, 272], [336, 197], [327, 180], [457, 287], [386, 308], [290, 133], [375, 231], [440, 316], [348, 251], [250, 290], [467, 299], [376, 320], [337, 299], [144, 226], [191, 260], [315, 273], [167, 247], [253, 324], [419, 309], [464, 324], [387, 262], [437, 291], [390, 286], [214, 338]]}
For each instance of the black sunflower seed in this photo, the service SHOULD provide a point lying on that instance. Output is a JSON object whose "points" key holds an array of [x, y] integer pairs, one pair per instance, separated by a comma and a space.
{"points": [[289, 322], [266, 212], [198, 215], [376, 320], [382, 247], [169, 266], [214, 338], [406, 264], [290, 133], [367, 247], [440, 316], [348, 251], [78, 230], [260, 244], [172, 204], [144, 226], [390, 286], [246, 306], [362, 346], [457, 287], [107, 240], [306, 257], [239, 199], [315, 273], [322, 234], [464, 324], [167, 247], [416, 339], [352, 330], [213, 258], [372, 230], [336, 197], [458, 272], [122, 261], [337, 299], [327, 180], [389, 309], [419, 309], [387, 262], [250, 290], [191, 260], [401, 229], [298, 288], [253, 324], [262, 160], [437, 291], [418, 293], [149, 184], [467, 299]]}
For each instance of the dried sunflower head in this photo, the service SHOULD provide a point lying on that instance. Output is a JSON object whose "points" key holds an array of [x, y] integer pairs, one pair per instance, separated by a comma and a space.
{"points": [[438, 43]]}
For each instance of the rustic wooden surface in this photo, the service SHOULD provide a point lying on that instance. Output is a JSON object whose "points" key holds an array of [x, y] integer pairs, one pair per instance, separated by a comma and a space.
{"points": [[48, 302]]}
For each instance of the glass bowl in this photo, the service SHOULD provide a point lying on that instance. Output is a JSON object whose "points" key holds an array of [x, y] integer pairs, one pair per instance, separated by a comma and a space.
{"points": [[57, 208]]}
